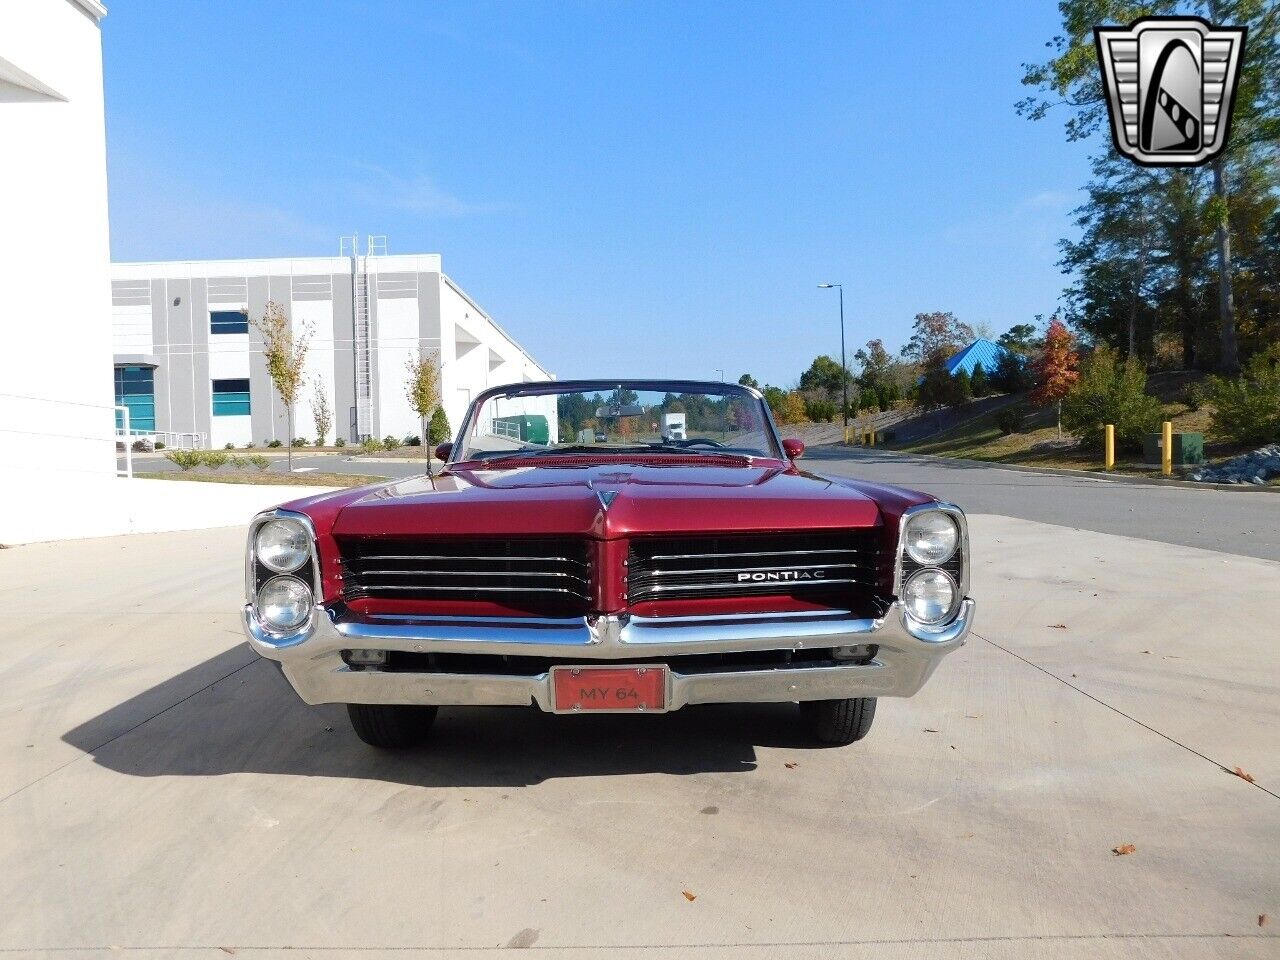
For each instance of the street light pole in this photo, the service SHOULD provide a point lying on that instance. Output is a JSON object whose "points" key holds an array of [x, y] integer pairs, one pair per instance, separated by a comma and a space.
{"points": [[844, 369]]}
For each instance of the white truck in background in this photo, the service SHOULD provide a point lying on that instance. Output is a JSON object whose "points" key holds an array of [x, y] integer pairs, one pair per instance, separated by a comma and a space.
{"points": [[673, 426]]}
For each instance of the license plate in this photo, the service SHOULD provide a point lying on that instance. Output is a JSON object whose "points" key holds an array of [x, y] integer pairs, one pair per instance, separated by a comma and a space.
{"points": [[615, 689]]}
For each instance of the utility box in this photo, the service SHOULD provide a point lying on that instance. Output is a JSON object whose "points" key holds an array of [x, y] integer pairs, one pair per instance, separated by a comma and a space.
{"points": [[531, 428], [1188, 448]]}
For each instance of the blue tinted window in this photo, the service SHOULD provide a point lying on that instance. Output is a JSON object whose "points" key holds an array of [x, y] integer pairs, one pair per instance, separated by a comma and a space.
{"points": [[228, 321], [135, 390], [230, 398]]}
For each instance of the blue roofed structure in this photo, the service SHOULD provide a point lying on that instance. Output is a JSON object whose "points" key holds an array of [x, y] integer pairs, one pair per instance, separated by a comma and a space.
{"points": [[981, 351]]}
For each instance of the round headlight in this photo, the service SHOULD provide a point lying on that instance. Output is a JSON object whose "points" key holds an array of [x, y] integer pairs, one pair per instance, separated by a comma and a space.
{"points": [[931, 538], [283, 545], [284, 603], [929, 596]]}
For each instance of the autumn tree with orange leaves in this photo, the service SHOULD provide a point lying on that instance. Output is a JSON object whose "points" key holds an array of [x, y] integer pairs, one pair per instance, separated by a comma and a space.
{"points": [[1056, 368]]}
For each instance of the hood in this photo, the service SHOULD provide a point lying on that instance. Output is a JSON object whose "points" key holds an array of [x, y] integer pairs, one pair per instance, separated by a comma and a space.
{"points": [[607, 501]]}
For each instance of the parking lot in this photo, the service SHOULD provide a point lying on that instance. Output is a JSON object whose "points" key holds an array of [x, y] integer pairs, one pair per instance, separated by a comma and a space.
{"points": [[164, 794]]}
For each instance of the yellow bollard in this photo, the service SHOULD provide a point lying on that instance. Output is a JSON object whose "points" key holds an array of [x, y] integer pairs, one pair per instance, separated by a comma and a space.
{"points": [[1166, 449], [1110, 435], [873, 438]]}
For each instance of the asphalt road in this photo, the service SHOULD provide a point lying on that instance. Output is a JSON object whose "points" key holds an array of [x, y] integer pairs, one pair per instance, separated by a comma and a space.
{"points": [[1243, 522]]}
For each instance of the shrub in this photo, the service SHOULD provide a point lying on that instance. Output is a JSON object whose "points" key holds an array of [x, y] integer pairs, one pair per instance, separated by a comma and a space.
{"points": [[185, 459], [1110, 391], [1009, 420], [250, 445], [257, 460], [229, 446], [370, 445], [820, 411], [789, 408], [274, 443], [390, 443], [299, 442], [340, 442], [141, 446], [438, 430], [1248, 408], [1194, 396], [213, 459], [413, 441], [159, 444], [319, 441]]}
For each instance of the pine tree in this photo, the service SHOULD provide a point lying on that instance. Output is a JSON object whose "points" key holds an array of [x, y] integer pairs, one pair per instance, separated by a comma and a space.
{"points": [[979, 382]]}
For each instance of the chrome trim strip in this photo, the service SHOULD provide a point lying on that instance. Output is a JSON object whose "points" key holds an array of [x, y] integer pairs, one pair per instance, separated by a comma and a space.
{"points": [[776, 567], [745, 585], [750, 553], [365, 587], [497, 558], [467, 573]]}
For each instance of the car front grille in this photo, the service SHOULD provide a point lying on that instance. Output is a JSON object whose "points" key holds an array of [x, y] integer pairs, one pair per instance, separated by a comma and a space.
{"points": [[833, 567], [544, 575]]}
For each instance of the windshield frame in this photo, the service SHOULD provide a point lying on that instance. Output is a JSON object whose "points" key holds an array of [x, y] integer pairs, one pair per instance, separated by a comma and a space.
{"points": [[556, 387]]}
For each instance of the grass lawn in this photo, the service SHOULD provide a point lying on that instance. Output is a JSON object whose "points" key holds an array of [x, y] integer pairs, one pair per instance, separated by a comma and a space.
{"points": [[267, 479]]}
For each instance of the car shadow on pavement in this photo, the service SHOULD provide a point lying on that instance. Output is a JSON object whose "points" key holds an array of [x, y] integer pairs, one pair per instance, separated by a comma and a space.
{"points": [[235, 713]]}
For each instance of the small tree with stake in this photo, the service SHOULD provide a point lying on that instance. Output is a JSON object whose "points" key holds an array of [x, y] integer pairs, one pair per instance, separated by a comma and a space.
{"points": [[423, 391], [1056, 368], [321, 413], [286, 357]]}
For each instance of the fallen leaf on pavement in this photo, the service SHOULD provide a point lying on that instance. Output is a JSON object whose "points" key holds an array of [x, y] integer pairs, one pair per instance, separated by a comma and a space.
{"points": [[1057, 626], [1243, 775], [791, 764], [1124, 849], [973, 716], [230, 950], [689, 895], [1146, 651], [1263, 919], [931, 730]]}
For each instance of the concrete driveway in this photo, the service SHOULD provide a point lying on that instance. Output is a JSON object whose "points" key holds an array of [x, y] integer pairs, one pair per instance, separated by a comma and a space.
{"points": [[164, 794]]}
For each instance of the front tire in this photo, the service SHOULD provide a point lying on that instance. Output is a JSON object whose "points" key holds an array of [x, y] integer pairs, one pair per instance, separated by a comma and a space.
{"points": [[391, 726], [839, 722]]}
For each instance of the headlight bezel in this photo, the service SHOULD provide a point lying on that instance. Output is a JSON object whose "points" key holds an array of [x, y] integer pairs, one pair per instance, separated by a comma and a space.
{"points": [[258, 574], [956, 566]]}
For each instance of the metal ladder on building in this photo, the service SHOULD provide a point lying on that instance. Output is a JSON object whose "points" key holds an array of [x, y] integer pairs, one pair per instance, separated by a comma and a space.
{"points": [[362, 334]]}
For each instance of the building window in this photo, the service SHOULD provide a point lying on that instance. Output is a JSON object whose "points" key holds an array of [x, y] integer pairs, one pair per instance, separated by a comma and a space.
{"points": [[228, 321], [231, 398], [136, 391]]}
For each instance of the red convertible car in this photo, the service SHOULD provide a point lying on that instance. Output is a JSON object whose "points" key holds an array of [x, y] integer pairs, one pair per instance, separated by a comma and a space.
{"points": [[610, 546]]}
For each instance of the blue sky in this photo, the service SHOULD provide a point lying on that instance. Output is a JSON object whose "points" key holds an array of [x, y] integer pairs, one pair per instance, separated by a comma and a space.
{"points": [[638, 188]]}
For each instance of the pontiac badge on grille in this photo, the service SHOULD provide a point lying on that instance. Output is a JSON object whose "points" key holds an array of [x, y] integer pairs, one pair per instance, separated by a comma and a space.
{"points": [[1170, 84]]}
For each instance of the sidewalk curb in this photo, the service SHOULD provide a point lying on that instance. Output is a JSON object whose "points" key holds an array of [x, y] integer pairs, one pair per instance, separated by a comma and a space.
{"points": [[1065, 472]]}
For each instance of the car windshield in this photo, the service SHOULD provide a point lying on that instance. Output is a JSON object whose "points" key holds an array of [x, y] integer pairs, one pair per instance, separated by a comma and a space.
{"points": [[618, 418]]}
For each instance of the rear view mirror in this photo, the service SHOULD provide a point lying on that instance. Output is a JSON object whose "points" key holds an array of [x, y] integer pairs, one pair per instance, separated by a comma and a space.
{"points": [[443, 451]]}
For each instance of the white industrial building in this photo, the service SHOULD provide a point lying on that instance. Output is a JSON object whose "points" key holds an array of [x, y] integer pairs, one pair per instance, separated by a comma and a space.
{"points": [[189, 365]]}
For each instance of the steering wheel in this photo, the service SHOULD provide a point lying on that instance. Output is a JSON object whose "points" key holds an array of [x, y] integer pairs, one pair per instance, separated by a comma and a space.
{"points": [[697, 440]]}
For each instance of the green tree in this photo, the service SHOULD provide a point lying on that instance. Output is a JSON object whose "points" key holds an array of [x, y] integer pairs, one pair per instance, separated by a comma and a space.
{"points": [[439, 428], [980, 384], [1247, 408], [1020, 338], [747, 380], [286, 358], [1110, 390], [422, 388], [321, 412], [824, 374], [1070, 77]]}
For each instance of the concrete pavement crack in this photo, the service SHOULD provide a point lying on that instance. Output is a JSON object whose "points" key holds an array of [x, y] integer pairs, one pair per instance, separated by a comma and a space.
{"points": [[1132, 719], [92, 750]]}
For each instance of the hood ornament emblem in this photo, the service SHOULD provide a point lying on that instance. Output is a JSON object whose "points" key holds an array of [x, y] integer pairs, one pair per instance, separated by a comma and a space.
{"points": [[606, 497]]}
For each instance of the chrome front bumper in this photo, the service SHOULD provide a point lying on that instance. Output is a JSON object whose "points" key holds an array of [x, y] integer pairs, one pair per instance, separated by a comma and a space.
{"points": [[907, 653]]}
